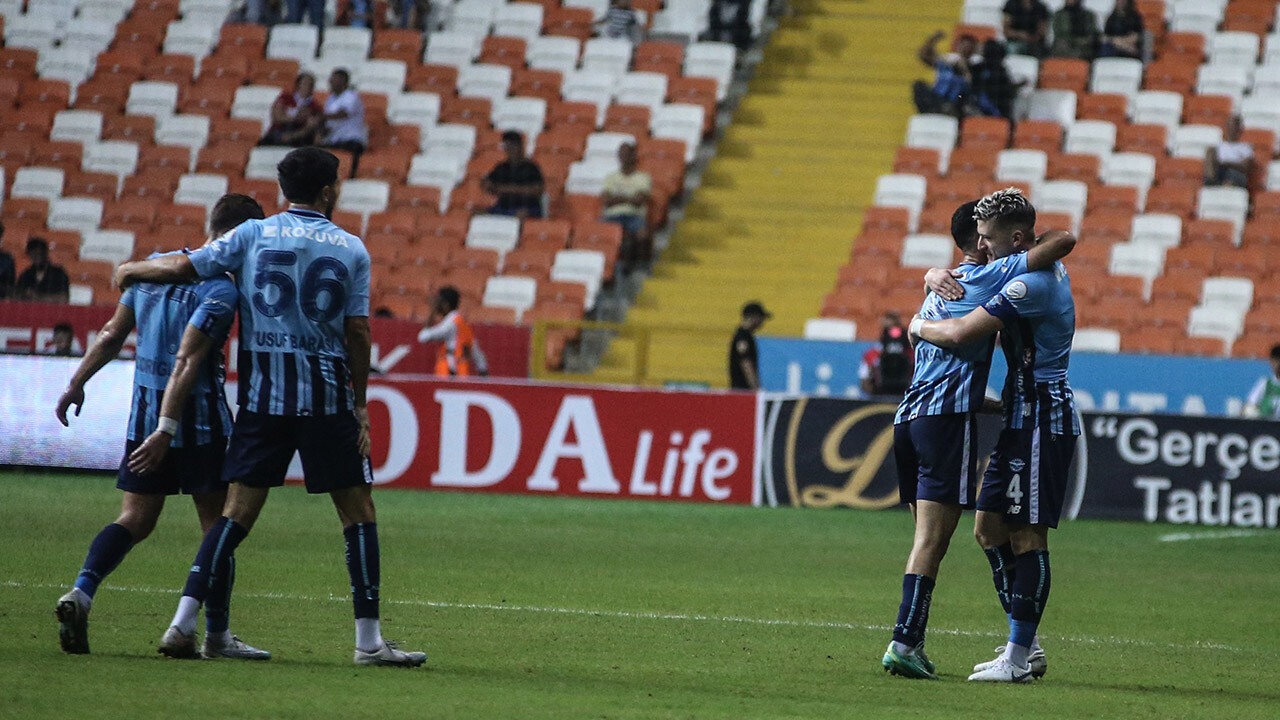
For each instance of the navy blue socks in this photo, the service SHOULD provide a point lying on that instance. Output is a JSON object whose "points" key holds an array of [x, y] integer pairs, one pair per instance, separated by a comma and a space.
{"points": [[1030, 592], [1003, 572], [213, 560], [105, 553], [364, 567], [913, 613], [217, 607]]}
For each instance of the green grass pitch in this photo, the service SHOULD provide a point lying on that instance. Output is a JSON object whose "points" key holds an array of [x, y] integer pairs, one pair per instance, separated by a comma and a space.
{"points": [[548, 607]]}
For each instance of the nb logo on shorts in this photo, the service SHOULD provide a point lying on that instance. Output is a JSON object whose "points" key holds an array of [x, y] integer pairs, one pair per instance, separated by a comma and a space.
{"points": [[1015, 509]]}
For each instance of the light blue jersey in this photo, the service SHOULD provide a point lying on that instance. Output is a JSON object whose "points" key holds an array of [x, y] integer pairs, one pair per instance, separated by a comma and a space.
{"points": [[954, 380], [300, 278], [1039, 318], [162, 314]]}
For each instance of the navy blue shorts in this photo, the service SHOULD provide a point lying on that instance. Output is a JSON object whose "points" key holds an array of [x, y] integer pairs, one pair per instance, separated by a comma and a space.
{"points": [[937, 458], [263, 445], [187, 470], [1028, 476]]}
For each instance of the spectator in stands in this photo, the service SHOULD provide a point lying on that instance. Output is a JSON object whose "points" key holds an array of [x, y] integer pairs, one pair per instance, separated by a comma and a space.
{"points": [[621, 21], [413, 14], [993, 90], [42, 281], [1123, 32], [1026, 24], [7, 269], [517, 181], [744, 365], [1264, 398], [64, 342], [459, 354], [731, 22], [1075, 32], [344, 117], [1230, 162], [295, 116], [887, 366], [259, 12], [953, 80], [626, 202], [313, 8]]}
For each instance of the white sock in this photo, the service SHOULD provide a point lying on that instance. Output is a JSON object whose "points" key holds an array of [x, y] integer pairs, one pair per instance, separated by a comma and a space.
{"points": [[185, 618], [1035, 643], [902, 649], [368, 634], [1016, 655], [222, 638]]}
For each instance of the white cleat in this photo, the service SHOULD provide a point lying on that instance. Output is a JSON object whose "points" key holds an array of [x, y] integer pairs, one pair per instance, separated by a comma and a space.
{"points": [[1036, 659], [389, 654], [236, 649], [177, 644], [72, 612], [1003, 671]]}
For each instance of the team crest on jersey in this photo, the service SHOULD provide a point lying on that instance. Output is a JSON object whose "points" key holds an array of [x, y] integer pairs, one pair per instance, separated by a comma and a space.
{"points": [[1016, 465], [1016, 290]]}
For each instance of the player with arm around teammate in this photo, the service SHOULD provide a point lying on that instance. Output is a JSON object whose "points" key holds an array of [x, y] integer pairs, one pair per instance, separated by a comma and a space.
{"points": [[935, 429], [1026, 481], [304, 367], [178, 401]]}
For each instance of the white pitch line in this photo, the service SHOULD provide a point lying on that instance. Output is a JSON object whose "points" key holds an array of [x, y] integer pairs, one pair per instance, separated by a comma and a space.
{"points": [[646, 615], [1208, 535]]}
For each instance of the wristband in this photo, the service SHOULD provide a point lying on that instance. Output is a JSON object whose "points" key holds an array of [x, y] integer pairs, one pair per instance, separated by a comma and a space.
{"points": [[168, 426], [916, 325]]}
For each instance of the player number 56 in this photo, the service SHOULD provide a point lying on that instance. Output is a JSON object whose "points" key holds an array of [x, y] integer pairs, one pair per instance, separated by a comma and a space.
{"points": [[323, 275]]}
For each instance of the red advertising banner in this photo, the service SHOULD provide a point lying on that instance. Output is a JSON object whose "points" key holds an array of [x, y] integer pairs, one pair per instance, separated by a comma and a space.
{"points": [[28, 328], [536, 439]]}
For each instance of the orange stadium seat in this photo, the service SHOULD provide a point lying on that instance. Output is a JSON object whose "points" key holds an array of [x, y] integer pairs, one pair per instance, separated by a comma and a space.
{"points": [[389, 165], [119, 64], [30, 213], [474, 111], [544, 84], [177, 69], [439, 79], [629, 119], [1074, 166], [971, 165], [1142, 138], [9, 90], [982, 33], [658, 56], [139, 129], [1263, 231], [492, 315], [45, 91], [237, 131], [398, 44], [572, 114], [136, 215], [936, 219], [1156, 341], [569, 22], [164, 156], [211, 98], [156, 183], [985, 132], [227, 160], [102, 186], [1064, 74], [64, 155], [1111, 107], [266, 192], [1180, 172], [1172, 75], [225, 67], [105, 94], [448, 229], [1044, 135], [1214, 233], [242, 40], [421, 200], [529, 263], [1186, 46], [393, 222], [18, 63], [499, 50], [472, 259], [1112, 198], [1107, 227], [1195, 258], [1177, 200], [1207, 110]]}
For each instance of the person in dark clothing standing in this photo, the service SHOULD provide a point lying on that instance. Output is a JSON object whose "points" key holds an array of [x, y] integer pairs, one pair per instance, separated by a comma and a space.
{"points": [[744, 373], [517, 181], [43, 281], [6, 270], [1123, 32]]}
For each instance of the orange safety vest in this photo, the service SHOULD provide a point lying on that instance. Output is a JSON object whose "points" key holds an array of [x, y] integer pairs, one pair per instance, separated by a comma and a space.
{"points": [[456, 362]]}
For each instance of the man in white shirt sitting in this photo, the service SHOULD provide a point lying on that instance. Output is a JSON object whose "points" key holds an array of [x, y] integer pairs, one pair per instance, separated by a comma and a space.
{"points": [[626, 202], [1231, 161], [344, 118]]}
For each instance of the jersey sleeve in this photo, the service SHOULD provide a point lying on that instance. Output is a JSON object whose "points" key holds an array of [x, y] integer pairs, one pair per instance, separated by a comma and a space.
{"points": [[226, 254], [128, 297], [1025, 297], [358, 297], [217, 309]]}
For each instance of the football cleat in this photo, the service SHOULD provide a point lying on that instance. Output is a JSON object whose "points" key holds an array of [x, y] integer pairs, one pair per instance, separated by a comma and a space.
{"points": [[913, 665], [1036, 659], [1003, 671], [236, 649], [389, 654], [72, 612], [177, 644]]}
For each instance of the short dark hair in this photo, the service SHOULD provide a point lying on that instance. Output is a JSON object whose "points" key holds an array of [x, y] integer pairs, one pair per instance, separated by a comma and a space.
{"points": [[37, 243], [964, 229], [304, 172], [450, 295], [1275, 352], [231, 210], [63, 327], [343, 72], [512, 136]]}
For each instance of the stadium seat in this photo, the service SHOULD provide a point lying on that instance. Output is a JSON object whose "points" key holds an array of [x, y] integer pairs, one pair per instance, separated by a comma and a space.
{"points": [[927, 251], [1067, 166], [80, 214], [1091, 137], [1111, 107], [37, 182], [715, 60], [831, 329], [1134, 169], [198, 189], [553, 53], [293, 42], [1224, 203], [518, 19], [524, 115], [1027, 166], [1156, 229], [157, 99], [451, 48], [906, 191], [1173, 199], [364, 196], [516, 292], [1213, 322], [112, 246], [1064, 74], [1055, 105], [1042, 135], [938, 132], [1063, 196], [1098, 340], [1212, 110], [1144, 260], [680, 122], [493, 232], [380, 76], [1229, 80], [1233, 295], [1122, 76], [486, 81], [585, 267], [642, 88]]}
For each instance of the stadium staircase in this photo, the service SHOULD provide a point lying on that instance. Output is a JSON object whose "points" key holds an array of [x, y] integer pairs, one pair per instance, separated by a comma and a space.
{"points": [[779, 205]]}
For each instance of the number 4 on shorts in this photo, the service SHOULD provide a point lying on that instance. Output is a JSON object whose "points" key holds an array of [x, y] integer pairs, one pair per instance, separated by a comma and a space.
{"points": [[1014, 492]]}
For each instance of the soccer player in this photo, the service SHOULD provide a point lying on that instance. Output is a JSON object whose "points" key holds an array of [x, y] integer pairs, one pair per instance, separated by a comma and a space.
{"points": [[1026, 481], [177, 435], [935, 430], [459, 355], [304, 364]]}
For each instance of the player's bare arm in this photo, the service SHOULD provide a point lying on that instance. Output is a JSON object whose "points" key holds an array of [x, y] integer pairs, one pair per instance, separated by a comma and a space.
{"points": [[165, 270], [106, 347], [1051, 246], [186, 366], [359, 344], [957, 331]]}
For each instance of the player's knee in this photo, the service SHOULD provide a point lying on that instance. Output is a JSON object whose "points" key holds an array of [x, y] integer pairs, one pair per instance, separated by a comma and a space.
{"points": [[138, 523]]}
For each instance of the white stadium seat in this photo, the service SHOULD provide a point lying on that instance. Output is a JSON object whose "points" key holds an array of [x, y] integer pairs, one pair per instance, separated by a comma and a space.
{"points": [[82, 126], [1063, 196], [1233, 294], [349, 44], [190, 131], [364, 196], [1233, 48], [1229, 80], [642, 88], [714, 60], [1144, 260], [1193, 141], [833, 329], [113, 246], [1116, 75], [1215, 322], [1224, 203], [80, 214], [1099, 340], [906, 191], [380, 76], [679, 122], [1091, 137], [414, 108], [517, 293], [525, 115], [938, 132], [451, 48], [254, 102], [202, 189], [1021, 166], [263, 162], [607, 55], [293, 42], [581, 266], [1056, 105], [157, 99], [118, 157], [927, 251], [485, 81], [1158, 107], [553, 53], [1157, 229], [37, 182], [518, 19], [493, 232]]}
